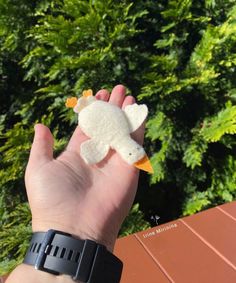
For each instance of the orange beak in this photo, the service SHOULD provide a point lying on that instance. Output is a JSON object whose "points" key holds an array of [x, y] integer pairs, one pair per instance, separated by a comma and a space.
{"points": [[71, 102], [144, 164], [87, 93]]}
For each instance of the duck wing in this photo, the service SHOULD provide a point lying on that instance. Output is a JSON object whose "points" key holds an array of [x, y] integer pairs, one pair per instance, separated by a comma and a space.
{"points": [[93, 151], [135, 115]]}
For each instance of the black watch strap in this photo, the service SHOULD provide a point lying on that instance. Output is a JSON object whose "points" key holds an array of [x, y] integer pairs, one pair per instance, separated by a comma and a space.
{"points": [[57, 252]]}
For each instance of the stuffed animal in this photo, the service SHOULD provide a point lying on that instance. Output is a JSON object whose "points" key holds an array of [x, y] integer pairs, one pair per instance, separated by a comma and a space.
{"points": [[109, 127]]}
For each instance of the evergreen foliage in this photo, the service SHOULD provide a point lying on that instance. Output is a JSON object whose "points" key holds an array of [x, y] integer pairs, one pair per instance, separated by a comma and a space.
{"points": [[191, 82], [179, 57]]}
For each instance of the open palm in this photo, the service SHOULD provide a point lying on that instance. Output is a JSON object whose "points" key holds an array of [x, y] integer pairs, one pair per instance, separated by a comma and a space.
{"points": [[71, 196]]}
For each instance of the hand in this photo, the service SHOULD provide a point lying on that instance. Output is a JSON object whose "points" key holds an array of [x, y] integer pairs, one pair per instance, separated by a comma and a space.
{"points": [[68, 195]]}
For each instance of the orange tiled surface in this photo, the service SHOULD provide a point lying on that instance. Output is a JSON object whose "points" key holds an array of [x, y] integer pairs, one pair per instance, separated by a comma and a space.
{"points": [[138, 260], [195, 249]]}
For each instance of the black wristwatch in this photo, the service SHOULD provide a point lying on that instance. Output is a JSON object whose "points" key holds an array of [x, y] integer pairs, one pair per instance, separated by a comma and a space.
{"points": [[58, 253]]}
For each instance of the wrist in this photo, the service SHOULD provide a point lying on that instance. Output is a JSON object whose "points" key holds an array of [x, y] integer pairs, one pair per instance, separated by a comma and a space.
{"points": [[108, 240], [57, 253], [28, 274]]}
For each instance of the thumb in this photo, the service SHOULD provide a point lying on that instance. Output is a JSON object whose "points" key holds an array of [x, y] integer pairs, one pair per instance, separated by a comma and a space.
{"points": [[42, 147]]}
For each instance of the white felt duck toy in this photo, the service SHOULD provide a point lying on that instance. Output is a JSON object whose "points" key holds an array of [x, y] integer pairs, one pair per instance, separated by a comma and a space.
{"points": [[108, 126]]}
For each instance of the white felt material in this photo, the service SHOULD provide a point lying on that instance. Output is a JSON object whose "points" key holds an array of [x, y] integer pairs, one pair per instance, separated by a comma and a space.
{"points": [[129, 150], [109, 126], [136, 114], [104, 122], [83, 102], [93, 151]]}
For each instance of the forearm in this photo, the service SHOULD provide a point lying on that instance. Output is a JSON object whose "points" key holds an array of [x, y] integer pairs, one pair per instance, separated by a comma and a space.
{"points": [[27, 274]]}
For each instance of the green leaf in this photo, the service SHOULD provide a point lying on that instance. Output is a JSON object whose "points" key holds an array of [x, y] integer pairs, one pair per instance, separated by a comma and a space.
{"points": [[223, 123]]}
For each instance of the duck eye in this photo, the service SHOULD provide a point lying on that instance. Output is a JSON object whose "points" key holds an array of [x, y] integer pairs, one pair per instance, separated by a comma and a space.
{"points": [[130, 153]]}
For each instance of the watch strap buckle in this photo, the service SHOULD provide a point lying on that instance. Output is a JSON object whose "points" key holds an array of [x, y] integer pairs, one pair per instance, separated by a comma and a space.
{"points": [[40, 260]]}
